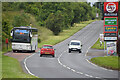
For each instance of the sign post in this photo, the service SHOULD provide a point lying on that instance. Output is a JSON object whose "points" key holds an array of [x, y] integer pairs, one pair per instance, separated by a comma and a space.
{"points": [[111, 48], [104, 47], [110, 26]]}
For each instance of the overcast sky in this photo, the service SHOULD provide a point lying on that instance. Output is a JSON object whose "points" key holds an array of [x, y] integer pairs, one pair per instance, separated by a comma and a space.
{"points": [[93, 1], [102, 0]]}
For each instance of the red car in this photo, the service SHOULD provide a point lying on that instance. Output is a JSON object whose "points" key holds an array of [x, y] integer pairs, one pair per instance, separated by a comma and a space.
{"points": [[47, 49]]}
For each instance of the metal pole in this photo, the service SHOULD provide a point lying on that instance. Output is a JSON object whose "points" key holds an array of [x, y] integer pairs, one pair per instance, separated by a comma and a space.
{"points": [[104, 47]]}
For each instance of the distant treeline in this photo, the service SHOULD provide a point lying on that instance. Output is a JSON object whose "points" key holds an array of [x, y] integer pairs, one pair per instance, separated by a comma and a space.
{"points": [[52, 15]]}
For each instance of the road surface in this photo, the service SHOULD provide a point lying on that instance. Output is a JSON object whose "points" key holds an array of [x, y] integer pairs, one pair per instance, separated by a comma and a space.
{"points": [[74, 64]]}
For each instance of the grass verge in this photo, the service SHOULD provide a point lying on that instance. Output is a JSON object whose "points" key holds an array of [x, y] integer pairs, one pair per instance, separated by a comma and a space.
{"points": [[110, 62], [65, 34], [12, 69], [97, 45], [6, 50]]}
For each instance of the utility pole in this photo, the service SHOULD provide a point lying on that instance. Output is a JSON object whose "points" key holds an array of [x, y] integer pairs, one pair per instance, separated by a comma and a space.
{"points": [[118, 44]]}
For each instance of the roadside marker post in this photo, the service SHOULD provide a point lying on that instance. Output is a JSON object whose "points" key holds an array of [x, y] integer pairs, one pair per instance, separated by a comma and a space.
{"points": [[101, 39], [104, 47]]}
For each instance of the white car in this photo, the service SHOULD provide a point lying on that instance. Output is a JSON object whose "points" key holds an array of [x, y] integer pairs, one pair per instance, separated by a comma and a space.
{"points": [[75, 45]]}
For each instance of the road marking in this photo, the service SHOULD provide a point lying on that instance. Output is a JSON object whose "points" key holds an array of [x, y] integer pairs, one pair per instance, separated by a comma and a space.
{"points": [[87, 51], [86, 75], [90, 47], [79, 72], [70, 68], [88, 61], [110, 70], [90, 76], [59, 62], [26, 65], [103, 68], [91, 63], [97, 77], [64, 65], [73, 70], [97, 66]]}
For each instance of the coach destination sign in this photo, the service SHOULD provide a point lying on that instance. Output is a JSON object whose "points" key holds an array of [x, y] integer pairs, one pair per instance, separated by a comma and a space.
{"points": [[110, 20]]}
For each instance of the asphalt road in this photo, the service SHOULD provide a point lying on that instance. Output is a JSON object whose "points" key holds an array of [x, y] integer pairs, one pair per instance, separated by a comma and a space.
{"points": [[71, 65]]}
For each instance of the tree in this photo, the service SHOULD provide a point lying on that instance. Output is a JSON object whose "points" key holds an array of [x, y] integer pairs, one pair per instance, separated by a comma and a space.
{"points": [[21, 20], [6, 28], [55, 22]]}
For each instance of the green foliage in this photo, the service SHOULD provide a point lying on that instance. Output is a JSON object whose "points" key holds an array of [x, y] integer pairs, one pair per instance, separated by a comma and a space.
{"points": [[66, 33], [55, 22], [110, 62], [5, 30], [11, 68], [67, 13], [39, 40], [21, 20], [97, 45], [47, 14]]}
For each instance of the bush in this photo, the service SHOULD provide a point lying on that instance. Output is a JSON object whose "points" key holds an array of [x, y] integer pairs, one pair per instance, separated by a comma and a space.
{"points": [[6, 28], [55, 23], [39, 40]]}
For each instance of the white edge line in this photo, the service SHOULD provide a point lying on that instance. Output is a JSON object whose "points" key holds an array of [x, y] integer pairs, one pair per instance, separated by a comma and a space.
{"points": [[68, 67], [71, 68], [93, 63], [97, 77], [98, 66], [64, 65], [87, 51], [110, 70], [26, 65], [104, 68], [79, 72], [90, 76], [86, 75], [90, 47]]}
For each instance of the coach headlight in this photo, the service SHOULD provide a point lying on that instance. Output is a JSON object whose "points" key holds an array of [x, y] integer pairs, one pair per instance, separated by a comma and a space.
{"points": [[78, 47], [28, 47]]}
